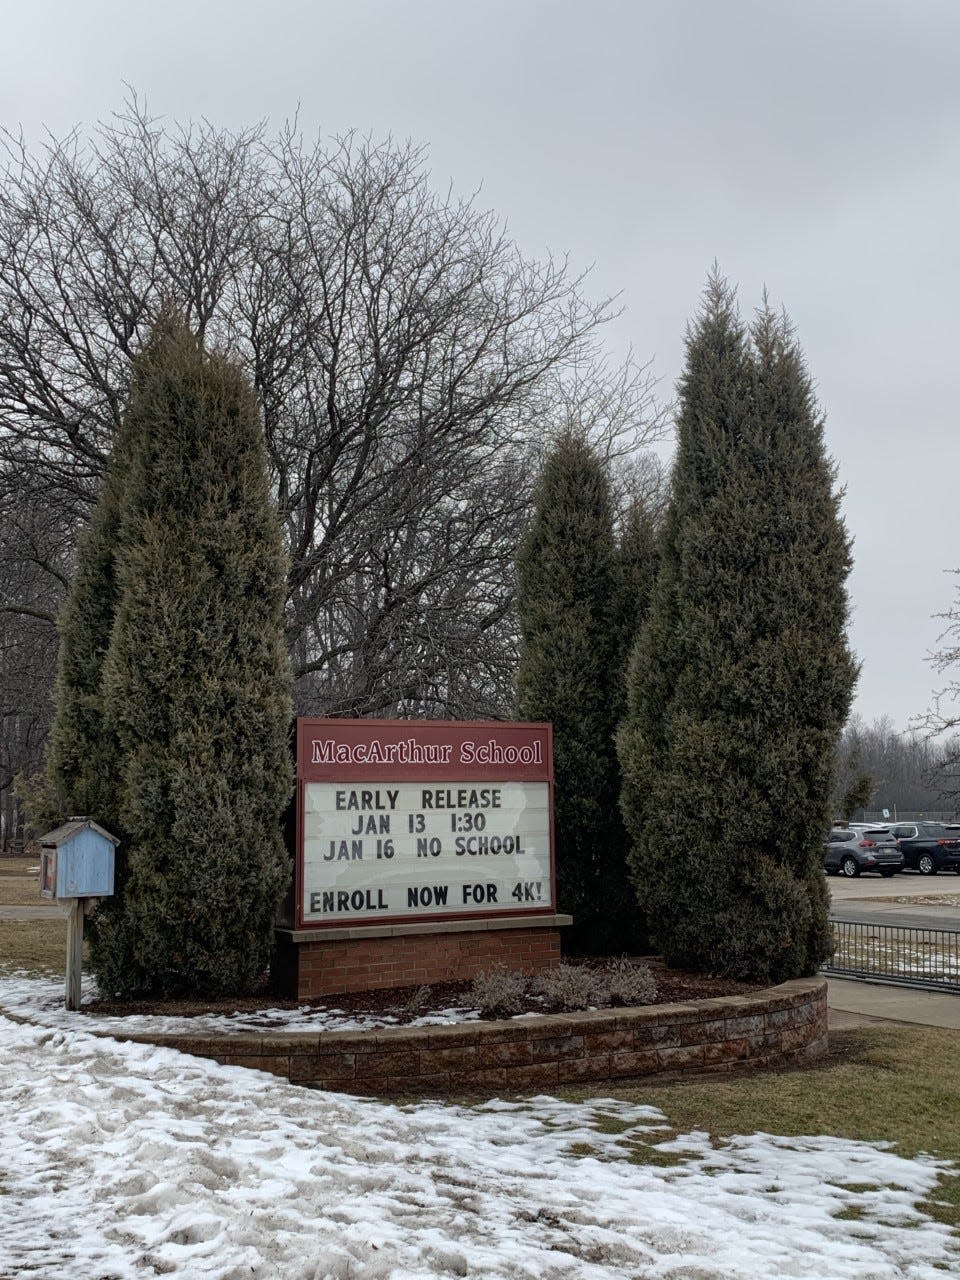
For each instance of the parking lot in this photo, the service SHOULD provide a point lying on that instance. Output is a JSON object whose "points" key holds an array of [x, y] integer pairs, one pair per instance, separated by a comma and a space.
{"points": [[905, 884], [908, 897]]}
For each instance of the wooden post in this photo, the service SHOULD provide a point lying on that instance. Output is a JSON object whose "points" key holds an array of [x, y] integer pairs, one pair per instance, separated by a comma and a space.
{"points": [[74, 951]]}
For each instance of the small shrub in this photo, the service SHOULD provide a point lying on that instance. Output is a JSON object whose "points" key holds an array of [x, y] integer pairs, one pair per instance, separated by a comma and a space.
{"points": [[571, 986], [417, 999], [618, 982], [499, 993], [625, 983]]}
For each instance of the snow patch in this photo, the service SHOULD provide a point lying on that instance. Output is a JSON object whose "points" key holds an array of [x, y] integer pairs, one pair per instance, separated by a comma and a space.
{"points": [[122, 1160]]}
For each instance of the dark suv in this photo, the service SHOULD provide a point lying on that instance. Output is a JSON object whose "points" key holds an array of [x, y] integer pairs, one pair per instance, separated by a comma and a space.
{"points": [[850, 850], [928, 847]]}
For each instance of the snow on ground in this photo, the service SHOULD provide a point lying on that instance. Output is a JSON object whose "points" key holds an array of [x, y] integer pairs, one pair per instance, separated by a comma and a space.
{"points": [[121, 1161], [41, 1000]]}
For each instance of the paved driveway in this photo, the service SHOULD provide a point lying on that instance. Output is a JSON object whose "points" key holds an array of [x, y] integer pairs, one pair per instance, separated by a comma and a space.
{"points": [[908, 898], [42, 911]]}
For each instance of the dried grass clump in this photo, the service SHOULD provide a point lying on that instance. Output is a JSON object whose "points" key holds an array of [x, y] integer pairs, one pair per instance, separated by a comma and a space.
{"points": [[498, 992]]}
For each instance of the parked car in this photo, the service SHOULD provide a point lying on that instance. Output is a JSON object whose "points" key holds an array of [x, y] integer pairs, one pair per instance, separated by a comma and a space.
{"points": [[850, 850], [928, 847]]}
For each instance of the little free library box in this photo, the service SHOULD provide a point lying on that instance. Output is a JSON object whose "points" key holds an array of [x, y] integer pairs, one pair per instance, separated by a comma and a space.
{"points": [[424, 853]]}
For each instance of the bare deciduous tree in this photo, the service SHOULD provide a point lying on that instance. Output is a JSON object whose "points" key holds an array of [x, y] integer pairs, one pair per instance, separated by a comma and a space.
{"points": [[907, 769], [35, 546], [409, 362], [940, 723]]}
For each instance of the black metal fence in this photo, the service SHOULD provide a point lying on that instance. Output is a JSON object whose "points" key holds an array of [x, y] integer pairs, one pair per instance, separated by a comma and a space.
{"points": [[903, 815], [912, 957]]}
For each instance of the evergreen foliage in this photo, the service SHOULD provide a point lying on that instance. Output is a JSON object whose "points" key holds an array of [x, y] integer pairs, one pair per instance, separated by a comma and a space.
{"points": [[196, 685], [639, 558], [741, 678], [857, 796], [569, 601], [81, 755]]}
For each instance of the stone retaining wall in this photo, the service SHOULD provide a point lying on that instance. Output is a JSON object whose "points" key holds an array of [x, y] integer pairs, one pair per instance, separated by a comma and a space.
{"points": [[780, 1025]]}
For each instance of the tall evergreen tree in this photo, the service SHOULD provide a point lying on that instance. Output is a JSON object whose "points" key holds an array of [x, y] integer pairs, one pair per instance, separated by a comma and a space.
{"points": [[196, 685], [741, 678], [570, 673], [81, 764], [638, 560]]}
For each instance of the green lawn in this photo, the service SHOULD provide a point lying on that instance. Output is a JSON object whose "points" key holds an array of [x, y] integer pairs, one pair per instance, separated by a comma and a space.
{"points": [[39, 946], [36, 945], [17, 887], [879, 1084]]}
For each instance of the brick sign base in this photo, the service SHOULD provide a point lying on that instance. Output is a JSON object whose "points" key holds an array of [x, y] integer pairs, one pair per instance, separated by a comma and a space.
{"points": [[363, 959], [770, 1028]]}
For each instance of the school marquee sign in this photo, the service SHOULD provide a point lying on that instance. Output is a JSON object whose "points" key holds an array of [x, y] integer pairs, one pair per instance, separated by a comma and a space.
{"points": [[405, 821]]}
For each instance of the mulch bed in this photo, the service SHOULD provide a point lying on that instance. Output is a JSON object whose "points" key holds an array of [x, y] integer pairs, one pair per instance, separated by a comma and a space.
{"points": [[404, 1004]]}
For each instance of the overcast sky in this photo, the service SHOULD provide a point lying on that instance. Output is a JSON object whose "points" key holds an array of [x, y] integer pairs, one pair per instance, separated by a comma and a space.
{"points": [[810, 146]]}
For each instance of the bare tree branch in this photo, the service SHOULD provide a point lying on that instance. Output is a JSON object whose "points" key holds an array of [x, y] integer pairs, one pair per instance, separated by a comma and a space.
{"points": [[411, 365]]}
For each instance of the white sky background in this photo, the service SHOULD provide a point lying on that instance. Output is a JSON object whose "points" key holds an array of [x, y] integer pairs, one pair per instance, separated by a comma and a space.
{"points": [[811, 147]]}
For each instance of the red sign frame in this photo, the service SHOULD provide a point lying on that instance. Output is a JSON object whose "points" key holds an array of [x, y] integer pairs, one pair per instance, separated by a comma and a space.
{"points": [[425, 751]]}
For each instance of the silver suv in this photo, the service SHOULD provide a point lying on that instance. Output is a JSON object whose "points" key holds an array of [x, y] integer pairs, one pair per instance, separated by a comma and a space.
{"points": [[855, 848]]}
